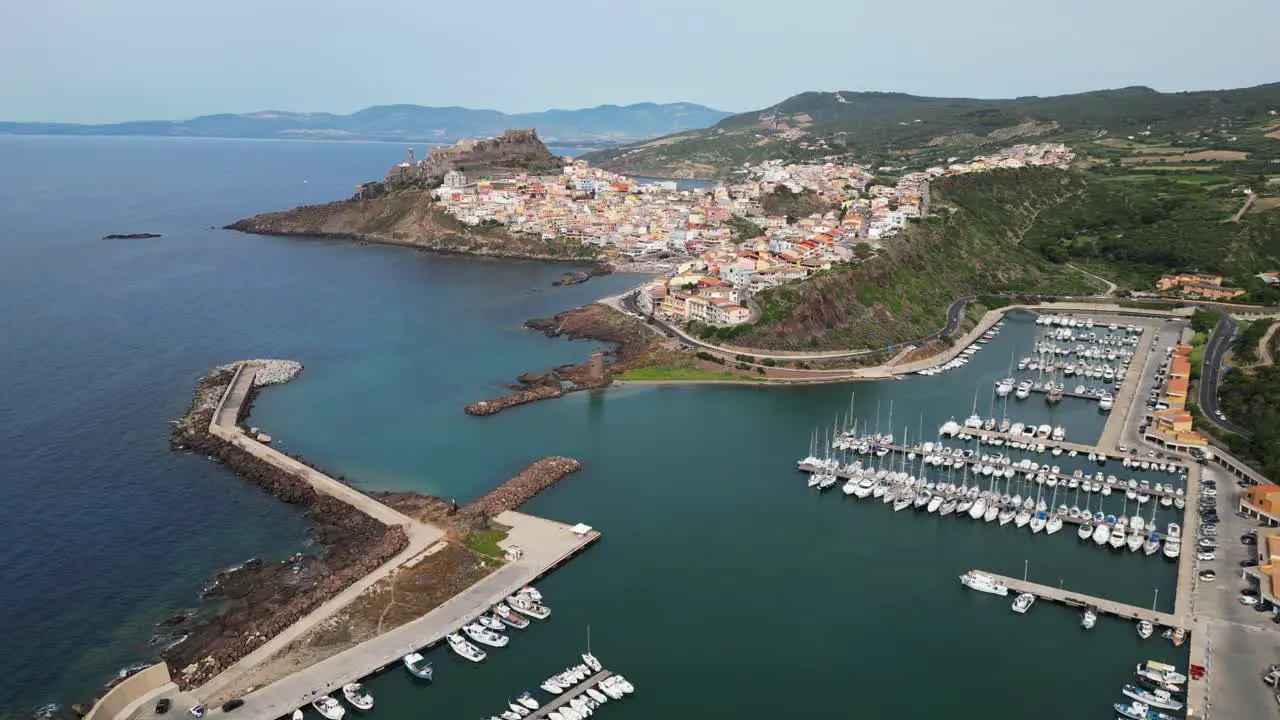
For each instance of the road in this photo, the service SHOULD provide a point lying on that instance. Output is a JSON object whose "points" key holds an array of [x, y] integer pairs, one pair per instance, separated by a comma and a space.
{"points": [[627, 303], [1111, 287], [1211, 372]]}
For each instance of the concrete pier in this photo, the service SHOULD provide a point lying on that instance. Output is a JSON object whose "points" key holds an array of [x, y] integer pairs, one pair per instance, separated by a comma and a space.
{"points": [[1081, 600], [573, 692]]}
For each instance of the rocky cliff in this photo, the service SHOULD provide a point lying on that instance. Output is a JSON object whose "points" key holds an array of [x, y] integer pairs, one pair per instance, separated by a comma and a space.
{"points": [[514, 151], [409, 217]]}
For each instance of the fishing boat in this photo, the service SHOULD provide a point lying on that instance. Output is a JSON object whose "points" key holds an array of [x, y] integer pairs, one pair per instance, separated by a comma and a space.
{"points": [[510, 619], [1160, 672], [526, 606], [1023, 603], [1145, 628], [1155, 698], [982, 582], [485, 636], [417, 666], [464, 649], [359, 698], [526, 699], [1140, 711], [329, 707], [1088, 619], [492, 623]]}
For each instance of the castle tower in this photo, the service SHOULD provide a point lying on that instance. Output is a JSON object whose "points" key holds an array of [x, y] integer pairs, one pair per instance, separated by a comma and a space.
{"points": [[596, 366], [410, 154]]}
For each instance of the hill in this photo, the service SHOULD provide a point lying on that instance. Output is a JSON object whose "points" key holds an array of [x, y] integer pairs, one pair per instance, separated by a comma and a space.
{"points": [[888, 128], [973, 247], [412, 123]]}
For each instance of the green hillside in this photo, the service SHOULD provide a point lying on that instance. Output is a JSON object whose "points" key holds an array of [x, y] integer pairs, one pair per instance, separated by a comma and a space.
{"points": [[972, 248], [887, 128]]}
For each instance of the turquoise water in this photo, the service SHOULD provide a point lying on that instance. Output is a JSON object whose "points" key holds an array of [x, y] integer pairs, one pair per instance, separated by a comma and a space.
{"points": [[722, 584]]}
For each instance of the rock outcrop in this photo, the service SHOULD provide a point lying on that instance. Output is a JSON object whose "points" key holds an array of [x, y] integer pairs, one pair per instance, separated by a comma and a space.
{"points": [[513, 151], [515, 492]]}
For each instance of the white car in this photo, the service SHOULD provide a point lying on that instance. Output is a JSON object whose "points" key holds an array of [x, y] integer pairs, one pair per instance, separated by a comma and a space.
{"points": [[1248, 600], [1205, 556], [1209, 492]]}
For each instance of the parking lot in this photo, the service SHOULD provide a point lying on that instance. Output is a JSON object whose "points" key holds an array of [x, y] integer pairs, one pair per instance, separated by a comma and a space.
{"points": [[1243, 641]]}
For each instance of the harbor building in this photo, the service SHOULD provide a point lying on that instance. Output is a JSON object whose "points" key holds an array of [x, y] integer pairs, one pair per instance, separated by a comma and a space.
{"points": [[1267, 569], [1261, 502]]}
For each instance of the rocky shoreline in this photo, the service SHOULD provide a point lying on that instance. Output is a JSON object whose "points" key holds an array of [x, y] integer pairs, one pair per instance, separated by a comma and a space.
{"points": [[590, 322], [261, 597], [131, 236]]}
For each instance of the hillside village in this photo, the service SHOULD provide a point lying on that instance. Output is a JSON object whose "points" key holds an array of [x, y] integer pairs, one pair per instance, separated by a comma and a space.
{"points": [[730, 243]]}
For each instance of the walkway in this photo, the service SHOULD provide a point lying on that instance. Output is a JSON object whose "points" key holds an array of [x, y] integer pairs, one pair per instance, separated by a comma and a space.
{"points": [[1081, 600], [545, 545]]}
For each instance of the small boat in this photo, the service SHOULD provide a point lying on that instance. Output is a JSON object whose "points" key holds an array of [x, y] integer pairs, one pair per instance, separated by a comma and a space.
{"points": [[492, 623], [417, 666], [1145, 628], [1155, 698], [530, 592], [1160, 672], [982, 582], [1086, 530], [1140, 711], [297, 714], [1088, 619], [526, 699], [1023, 603], [1178, 636], [503, 613], [511, 714], [464, 649], [527, 606], [591, 661], [551, 686], [359, 698], [519, 710], [329, 707], [485, 636]]}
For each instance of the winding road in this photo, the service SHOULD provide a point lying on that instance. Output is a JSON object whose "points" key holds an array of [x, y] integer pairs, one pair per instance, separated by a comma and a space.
{"points": [[1211, 373]]}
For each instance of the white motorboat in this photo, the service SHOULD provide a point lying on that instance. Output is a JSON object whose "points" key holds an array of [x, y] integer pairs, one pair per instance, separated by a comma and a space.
{"points": [[1160, 672], [418, 666], [526, 699], [519, 710], [1023, 603], [1117, 539], [1088, 619], [485, 636], [1145, 628], [1155, 698], [1085, 531], [552, 686], [622, 684], [1101, 534], [357, 696], [598, 696], [491, 622], [511, 714], [935, 502], [329, 707], [530, 592], [297, 714], [527, 606], [464, 649], [982, 582]]}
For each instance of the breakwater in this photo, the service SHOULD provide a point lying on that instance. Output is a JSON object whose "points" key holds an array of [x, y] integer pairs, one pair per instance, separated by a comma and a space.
{"points": [[266, 597], [515, 492]]}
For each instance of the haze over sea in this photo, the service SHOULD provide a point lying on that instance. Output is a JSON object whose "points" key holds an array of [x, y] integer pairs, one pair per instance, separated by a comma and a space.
{"points": [[722, 586]]}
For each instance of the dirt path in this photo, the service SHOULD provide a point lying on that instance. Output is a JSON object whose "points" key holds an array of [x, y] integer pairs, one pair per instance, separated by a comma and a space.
{"points": [[1264, 347], [1111, 287], [1248, 203]]}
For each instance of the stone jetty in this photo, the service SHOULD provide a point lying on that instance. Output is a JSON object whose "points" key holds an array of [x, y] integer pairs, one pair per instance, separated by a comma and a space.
{"points": [[496, 405], [513, 493]]}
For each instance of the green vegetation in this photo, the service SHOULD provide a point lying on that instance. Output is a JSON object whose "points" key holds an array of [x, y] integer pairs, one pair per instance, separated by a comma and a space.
{"points": [[1197, 354], [1252, 400], [1251, 334], [793, 205], [681, 373], [744, 229], [903, 293], [1203, 321], [486, 542]]}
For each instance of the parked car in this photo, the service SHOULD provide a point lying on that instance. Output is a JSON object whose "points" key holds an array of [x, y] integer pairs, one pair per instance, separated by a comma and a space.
{"points": [[1205, 555], [197, 711], [1248, 600], [1210, 576], [1246, 563], [232, 704], [163, 705], [1249, 540]]}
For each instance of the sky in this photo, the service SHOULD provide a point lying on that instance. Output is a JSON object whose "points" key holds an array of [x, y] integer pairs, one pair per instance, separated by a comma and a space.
{"points": [[113, 60]]}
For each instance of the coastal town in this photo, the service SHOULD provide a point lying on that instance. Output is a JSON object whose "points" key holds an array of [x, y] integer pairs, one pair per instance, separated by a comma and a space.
{"points": [[730, 240]]}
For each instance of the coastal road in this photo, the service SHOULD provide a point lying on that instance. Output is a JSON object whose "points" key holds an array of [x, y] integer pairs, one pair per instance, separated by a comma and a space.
{"points": [[627, 303], [1211, 372]]}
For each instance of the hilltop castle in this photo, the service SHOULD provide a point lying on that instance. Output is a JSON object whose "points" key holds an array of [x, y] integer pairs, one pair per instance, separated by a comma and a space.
{"points": [[511, 152]]}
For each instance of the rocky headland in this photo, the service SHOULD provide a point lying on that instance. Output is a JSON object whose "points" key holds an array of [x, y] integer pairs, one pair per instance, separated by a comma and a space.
{"points": [[260, 598]]}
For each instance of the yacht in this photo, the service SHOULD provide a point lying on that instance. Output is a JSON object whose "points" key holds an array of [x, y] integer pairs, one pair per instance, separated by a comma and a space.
{"points": [[979, 508], [1006, 514], [982, 582], [329, 707], [1088, 619], [526, 699], [1145, 628], [592, 663], [865, 487], [1152, 543], [417, 666], [1043, 432], [1004, 387], [527, 606], [464, 649], [485, 636], [923, 498], [598, 696], [1101, 534], [1024, 390], [1134, 541], [1155, 698], [1054, 524], [1106, 402], [1022, 517], [359, 698], [1038, 522], [1139, 711], [1119, 533], [1160, 672], [1059, 433], [1023, 603], [935, 502], [503, 613], [1086, 530]]}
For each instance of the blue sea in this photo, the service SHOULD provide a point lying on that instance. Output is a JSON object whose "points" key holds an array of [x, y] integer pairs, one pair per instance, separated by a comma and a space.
{"points": [[722, 585]]}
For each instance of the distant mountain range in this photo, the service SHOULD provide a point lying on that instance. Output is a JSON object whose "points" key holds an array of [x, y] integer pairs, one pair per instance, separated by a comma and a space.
{"points": [[600, 125], [892, 127]]}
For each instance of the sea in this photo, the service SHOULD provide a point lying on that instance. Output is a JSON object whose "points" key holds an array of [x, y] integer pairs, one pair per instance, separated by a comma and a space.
{"points": [[722, 585]]}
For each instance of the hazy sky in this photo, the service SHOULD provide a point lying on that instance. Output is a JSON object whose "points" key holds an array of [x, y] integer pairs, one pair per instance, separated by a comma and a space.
{"points": [[106, 60]]}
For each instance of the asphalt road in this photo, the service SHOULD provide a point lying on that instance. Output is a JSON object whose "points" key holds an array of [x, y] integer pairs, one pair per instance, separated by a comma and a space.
{"points": [[955, 313], [1211, 372]]}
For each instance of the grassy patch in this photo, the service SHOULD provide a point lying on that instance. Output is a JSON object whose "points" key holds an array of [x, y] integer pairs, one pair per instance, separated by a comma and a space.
{"points": [[680, 372], [486, 542]]}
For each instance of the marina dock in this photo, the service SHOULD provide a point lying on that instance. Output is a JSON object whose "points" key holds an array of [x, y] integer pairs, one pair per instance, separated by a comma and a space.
{"points": [[1081, 600], [573, 692]]}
